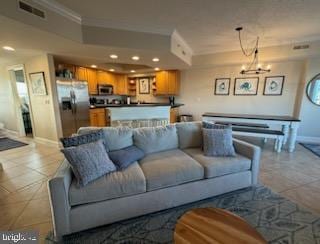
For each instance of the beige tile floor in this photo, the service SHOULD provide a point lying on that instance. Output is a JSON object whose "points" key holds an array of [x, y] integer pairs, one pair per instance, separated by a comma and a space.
{"points": [[24, 203]]}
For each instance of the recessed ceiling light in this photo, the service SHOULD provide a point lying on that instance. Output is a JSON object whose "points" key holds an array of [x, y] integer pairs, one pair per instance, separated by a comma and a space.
{"points": [[93, 66], [113, 56], [132, 71], [155, 59], [112, 70], [156, 69], [8, 48], [135, 58]]}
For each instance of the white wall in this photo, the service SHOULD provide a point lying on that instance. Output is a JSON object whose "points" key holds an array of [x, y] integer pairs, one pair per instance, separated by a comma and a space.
{"points": [[197, 91], [7, 108], [309, 112]]}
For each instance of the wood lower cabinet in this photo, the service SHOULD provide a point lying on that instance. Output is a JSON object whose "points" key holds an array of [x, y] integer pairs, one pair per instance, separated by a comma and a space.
{"points": [[99, 118], [174, 113], [167, 83]]}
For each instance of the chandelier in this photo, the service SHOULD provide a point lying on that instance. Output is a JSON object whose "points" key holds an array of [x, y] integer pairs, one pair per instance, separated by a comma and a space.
{"points": [[254, 67]]}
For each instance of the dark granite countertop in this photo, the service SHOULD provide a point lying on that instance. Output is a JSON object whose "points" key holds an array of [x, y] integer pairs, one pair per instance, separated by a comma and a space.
{"points": [[252, 116], [135, 105]]}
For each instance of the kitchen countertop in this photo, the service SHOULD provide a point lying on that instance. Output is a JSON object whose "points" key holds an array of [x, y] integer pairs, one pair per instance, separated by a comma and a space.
{"points": [[135, 105]]}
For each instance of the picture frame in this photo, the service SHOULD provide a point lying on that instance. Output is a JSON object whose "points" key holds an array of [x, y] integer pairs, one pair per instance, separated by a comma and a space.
{"points": [[38, 84], [144, 85], [273, 85], [246, 86], [222, 86]]}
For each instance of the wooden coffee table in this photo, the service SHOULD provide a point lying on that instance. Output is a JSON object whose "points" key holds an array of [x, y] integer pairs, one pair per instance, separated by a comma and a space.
{"points": [[214, 225]]}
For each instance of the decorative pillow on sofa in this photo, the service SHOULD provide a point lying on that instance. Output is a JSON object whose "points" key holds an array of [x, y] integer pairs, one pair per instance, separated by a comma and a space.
{"points": [[156, 139], [124, 157], [89, 161], [84, 138], [211, 125], [218, 142]]}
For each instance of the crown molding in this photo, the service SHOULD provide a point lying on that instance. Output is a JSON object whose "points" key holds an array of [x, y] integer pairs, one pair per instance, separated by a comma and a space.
{"points": [[60, 9]]}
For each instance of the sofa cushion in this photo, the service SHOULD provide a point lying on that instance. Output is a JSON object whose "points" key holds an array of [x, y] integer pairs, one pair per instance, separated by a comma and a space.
{"points": [[89, 161], [189, 134], [129, 181], [218, 166], [115, 137], [169, 168], [156, 139]]}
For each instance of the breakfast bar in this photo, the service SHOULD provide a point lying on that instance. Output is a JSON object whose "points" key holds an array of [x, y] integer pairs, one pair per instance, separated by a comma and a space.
{"points": [[289, 125]]}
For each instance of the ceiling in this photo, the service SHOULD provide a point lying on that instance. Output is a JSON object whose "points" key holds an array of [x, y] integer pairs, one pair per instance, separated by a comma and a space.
{"points": [[208, 25]]}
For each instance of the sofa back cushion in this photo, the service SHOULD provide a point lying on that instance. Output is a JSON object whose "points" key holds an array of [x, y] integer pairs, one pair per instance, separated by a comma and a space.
{"points": [[189, 134], [156, 139], [115, 138]]}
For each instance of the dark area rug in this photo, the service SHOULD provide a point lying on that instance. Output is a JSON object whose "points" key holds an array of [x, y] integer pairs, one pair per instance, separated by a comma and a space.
{"points": [[278, 219], [315, 148], [7, 143]]}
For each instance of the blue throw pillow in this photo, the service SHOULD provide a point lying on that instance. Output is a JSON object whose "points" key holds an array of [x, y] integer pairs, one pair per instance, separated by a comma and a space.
{"points": [[124, 157], [90, 136], [88, 161], [218, 142]]}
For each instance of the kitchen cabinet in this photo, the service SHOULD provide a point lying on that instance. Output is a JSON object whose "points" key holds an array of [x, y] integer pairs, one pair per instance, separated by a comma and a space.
{"points": [[81, 73], [167, 83], [121, 86], [174, 112], [92, 81], [98, 117], [106, 78]]}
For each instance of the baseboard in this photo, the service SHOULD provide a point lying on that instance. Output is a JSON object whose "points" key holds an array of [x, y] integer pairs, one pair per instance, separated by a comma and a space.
{"points": [[46, 142], [309, 139], [12, 132]]}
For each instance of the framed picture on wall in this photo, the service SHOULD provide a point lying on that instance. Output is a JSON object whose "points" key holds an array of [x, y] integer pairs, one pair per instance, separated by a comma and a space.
{"points": [[38, 84], [246, 86], [273, 85], [144, 85], [222, 86]]}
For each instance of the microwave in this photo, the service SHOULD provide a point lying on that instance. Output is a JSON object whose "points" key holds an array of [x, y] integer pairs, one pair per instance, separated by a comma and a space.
{"points": [[105, 89]]}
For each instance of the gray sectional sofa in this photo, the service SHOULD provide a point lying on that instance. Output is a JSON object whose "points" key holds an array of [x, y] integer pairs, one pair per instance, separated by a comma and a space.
{"points": [[173, 172]]}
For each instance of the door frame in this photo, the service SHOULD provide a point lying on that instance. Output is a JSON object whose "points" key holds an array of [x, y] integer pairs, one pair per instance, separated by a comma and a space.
{"points": [[18, 112]]}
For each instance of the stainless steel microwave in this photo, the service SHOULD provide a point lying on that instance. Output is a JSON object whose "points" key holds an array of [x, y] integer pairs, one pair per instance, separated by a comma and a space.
{"points": [[105, 89]]}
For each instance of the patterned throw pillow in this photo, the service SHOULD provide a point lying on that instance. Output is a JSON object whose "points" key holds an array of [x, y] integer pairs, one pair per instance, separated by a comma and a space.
{"points": [[89, 161], [218, 142], [90, 136]]}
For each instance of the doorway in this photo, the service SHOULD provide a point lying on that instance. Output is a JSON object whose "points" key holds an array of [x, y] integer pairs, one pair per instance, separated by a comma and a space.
{"points": [[22, 100]]}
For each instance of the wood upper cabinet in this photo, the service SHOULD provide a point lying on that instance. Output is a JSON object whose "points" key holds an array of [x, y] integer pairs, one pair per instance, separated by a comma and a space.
{"points": [[81, 73], [121, 86], [92, 81], [107, 78], [98, 117], [167, 82]]}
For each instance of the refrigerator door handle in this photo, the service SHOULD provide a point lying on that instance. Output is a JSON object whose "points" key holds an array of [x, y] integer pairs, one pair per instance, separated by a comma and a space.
{"points": [[72, 102]]}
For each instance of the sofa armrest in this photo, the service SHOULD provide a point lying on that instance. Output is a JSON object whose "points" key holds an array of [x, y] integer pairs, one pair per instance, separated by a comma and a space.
{"points": [[252, 152], [59, 199]]}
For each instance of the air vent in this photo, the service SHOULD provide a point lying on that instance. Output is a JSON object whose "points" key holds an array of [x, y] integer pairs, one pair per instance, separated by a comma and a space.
{"points": [[298, 47], [32, 10]]}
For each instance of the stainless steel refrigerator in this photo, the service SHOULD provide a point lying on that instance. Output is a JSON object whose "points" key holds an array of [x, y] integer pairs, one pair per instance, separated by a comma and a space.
{"points": [[74, 105]]}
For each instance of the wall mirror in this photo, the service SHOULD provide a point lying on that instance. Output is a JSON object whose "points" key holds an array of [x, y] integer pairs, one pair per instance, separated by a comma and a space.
{"points": [[313, 90]]}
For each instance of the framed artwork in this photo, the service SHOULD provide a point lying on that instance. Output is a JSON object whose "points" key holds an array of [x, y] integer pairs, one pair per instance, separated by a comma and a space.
{"points": [[144, 85], [273, 85], [38, 83], [246, 86], [222, 86]]}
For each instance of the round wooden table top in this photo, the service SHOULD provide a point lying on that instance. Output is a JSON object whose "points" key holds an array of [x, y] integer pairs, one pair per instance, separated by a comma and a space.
{"points": [[214, 225]]}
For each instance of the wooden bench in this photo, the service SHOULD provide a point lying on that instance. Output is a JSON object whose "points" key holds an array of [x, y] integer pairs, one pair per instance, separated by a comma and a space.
{"points": [[263, 133]]}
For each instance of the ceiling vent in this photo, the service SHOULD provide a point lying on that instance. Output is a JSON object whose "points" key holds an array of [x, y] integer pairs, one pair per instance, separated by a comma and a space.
{"points": [[298, 47], [32, 10]]}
